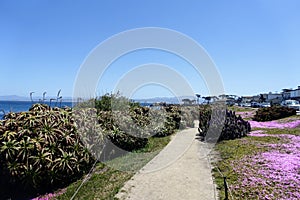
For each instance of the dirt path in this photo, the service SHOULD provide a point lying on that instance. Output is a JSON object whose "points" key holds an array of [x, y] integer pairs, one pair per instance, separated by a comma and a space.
{"points": [[180, 171]]}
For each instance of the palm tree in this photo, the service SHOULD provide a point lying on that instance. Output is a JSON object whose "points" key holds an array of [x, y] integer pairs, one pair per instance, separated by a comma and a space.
{"points": [[198, 97], [262, 98], [207, 99]]}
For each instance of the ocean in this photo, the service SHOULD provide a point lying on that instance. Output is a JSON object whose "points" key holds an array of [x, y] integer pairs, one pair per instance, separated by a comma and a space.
{"points": [[21, 106]]}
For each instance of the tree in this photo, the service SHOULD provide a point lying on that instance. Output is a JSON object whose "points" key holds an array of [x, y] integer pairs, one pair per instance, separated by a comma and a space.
{"points": [[239, 100], [207, 99], [198, 97], [262, 98]]}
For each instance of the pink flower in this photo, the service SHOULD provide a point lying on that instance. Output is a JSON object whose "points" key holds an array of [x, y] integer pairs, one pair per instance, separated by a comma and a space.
{"points": [[274, 174], [49, 196], [274, 124]]}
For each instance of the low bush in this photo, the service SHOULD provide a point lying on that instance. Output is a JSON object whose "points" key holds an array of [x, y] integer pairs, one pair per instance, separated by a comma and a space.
{"points": [[170, 118], [188, 115], [216, 124], [113, 133], [273, 113]]}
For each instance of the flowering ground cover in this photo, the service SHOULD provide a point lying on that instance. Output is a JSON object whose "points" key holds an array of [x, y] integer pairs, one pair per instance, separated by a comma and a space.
{"points": [[50, 196], [275, 124], [264, 165]]}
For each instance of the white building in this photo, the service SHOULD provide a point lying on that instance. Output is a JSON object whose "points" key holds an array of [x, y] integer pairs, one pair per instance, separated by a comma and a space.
{"points": [[295, 94], [272, 96], [291, 93]]}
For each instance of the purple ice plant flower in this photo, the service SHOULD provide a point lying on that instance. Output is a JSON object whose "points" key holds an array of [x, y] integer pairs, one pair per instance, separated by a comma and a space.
{"points": [[50, 196], [274, 174], [274, 124]]}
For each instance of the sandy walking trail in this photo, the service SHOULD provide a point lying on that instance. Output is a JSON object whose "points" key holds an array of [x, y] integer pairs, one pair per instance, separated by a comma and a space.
{"points": [[180, 171]]}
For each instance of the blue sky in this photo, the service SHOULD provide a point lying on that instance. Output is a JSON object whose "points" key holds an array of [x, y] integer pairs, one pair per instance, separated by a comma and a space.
{"points": [[254, 44]]}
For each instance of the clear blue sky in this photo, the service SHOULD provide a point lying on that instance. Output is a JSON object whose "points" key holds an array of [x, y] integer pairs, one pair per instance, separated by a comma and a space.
{"points": [[254, 44]]}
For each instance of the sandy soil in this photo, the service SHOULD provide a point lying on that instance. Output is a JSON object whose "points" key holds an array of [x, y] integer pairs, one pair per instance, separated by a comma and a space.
{"points": [[180, 171]]}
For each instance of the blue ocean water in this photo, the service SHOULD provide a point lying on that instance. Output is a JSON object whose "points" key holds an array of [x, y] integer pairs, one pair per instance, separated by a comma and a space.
{"points": [[20, 106]]}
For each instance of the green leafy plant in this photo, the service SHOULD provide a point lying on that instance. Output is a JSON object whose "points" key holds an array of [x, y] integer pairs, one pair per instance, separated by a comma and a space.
{"points": [[224, 122], [48, 148], [39, 150], [273, 113]]}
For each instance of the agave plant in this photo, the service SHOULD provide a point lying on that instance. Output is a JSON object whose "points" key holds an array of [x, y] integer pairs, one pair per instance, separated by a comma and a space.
{"points": [[10, 124], [30, 121], [39, 108], [48, 130], [8, 135], [31, 176], [49, 147], [9, 149], [65, 162], [35, 142], [42, 159], [14, 168], [26, 147]]}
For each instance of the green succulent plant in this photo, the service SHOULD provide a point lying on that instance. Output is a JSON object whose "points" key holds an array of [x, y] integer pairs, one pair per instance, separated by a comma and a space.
{"points": [[41, 149], [224, 126], [46, 148]]}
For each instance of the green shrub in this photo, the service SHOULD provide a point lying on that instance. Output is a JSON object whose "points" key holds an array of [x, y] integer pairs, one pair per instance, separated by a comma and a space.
{"points": [[178, 117], [188, 115], [121, 122], [171, 121], [225, 125], [114, 132], [47, 148], [273, 113], [109, 102], [39, 150]]}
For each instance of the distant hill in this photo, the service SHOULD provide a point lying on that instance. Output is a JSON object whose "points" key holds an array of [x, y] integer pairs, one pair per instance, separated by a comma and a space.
{"points": [[69, 99], [165, 99]]}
